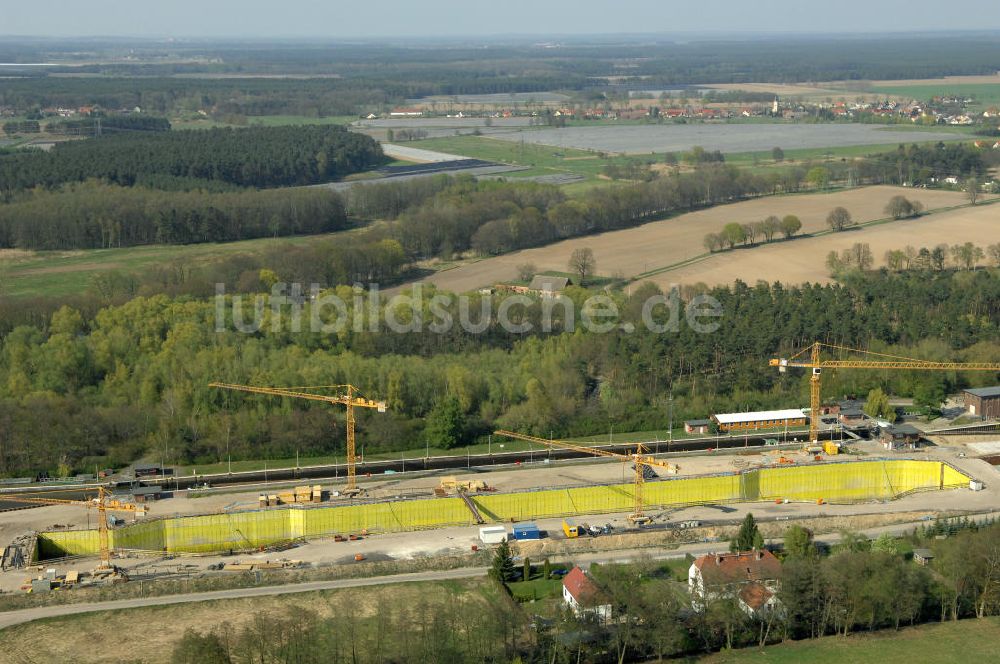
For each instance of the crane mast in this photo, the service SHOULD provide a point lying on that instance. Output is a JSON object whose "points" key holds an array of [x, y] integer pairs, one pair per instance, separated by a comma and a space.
{"points": [[639, 459], [102, 504]]}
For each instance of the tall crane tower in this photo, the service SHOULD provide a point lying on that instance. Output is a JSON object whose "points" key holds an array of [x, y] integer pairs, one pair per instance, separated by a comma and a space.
{"points": [[810, 358], [639, 459], [103, 504], [345, 395]]}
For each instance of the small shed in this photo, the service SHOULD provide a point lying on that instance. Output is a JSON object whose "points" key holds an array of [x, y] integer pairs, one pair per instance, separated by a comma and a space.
{"points": [[922, 556], [983, 401], [901, 436], [697, 426], [143, 494], [852, 417], [492, 534], [147, 470], [527, 531]]}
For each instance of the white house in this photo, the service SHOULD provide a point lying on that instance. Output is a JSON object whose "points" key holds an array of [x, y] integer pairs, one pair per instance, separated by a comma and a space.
{"points": [[583, 596], [752, 577]]}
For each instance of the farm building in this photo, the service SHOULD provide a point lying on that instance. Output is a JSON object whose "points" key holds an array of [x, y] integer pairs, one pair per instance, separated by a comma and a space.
{"points": [[697, 426], [764, 419], [983, 401], [547, 286]]}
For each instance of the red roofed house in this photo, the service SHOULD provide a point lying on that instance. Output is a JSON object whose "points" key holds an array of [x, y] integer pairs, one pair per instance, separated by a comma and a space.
{"points": [[752, 577], [583, 596]]}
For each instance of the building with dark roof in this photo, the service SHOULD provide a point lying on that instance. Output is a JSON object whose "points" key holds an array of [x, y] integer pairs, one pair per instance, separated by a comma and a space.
{"points": [[900, 436], [983, 401]]}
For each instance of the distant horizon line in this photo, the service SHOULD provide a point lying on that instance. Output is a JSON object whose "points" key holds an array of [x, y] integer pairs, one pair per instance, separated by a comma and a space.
{"points": [[736, 35]]}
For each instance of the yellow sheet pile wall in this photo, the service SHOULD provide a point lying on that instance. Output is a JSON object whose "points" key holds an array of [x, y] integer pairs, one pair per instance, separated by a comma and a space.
{"points": [[835, 483]]}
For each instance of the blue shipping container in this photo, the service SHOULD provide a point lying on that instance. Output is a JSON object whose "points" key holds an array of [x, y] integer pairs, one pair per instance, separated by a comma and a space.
{"points": [[526, 531]]}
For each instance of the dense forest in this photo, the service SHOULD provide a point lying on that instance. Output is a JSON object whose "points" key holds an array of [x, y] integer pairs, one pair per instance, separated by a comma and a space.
{"points": [[250, 157], [130, 379], [93, 215]]}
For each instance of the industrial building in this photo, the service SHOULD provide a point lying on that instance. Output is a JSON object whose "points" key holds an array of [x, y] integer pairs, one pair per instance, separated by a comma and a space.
{"points": [[764, 419], [983, 401]]}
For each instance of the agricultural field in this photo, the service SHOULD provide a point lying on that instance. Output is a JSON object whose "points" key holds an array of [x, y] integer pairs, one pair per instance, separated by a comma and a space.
{"points": [[661, 244], [804, 259], [62, 273], [729, 138], [963, 641]]}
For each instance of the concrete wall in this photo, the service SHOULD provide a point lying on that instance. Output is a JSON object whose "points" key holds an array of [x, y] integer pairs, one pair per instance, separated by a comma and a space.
{"points": [[844, 482]]}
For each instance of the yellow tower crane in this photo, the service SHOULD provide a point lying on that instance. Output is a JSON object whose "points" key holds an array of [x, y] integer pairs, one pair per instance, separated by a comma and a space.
{"points": [[809, 358], [346, 395], [103, 504], [639, 460]]}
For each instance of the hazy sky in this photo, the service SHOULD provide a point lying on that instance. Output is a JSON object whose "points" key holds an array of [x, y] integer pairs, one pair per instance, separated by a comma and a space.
{"points": [[358, 18]]}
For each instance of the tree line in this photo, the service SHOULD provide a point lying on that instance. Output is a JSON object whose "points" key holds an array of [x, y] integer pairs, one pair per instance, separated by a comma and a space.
{"points": [[95, 215], [765, 231], [250, 157]]}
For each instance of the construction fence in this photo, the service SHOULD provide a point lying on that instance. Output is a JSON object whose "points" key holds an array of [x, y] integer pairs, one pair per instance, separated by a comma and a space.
{"points": [[844, 482]]}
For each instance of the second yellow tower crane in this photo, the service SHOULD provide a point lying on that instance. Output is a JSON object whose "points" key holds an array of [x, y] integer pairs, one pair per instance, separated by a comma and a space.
{"points": [[810, 358], [345, 395]]}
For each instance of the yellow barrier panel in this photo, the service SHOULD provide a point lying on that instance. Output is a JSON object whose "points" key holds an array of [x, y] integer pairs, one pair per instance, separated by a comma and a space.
{"points": [[835, 483]]}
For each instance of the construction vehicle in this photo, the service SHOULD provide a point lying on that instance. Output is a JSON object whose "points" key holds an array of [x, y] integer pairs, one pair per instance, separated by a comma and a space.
{"points": [[640, 461], [817, 364], [103, 504], [345, 395]]}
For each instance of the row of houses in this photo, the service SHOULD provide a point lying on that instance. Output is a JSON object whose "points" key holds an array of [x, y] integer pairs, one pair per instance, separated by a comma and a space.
{"points": [[752, 578]]}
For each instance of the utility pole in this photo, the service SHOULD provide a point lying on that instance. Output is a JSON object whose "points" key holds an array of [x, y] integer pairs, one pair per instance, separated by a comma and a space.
{"points": [[670, 434]]}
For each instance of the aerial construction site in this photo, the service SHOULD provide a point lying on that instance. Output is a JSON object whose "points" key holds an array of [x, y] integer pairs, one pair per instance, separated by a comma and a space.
{"points": [[645, 490]]}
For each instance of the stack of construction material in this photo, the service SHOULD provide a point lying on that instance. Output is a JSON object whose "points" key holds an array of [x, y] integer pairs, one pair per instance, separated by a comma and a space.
{"points": [[299, 496]]}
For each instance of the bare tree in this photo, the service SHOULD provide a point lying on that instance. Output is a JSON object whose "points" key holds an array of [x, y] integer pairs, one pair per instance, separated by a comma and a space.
{"points": [[582, 263], [839, 218], [769, 227], [525, 271], [994, 253], [972, 190]]}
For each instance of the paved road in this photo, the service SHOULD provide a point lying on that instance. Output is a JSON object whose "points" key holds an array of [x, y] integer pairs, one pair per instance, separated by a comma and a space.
{"points": [[11, 618]]}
